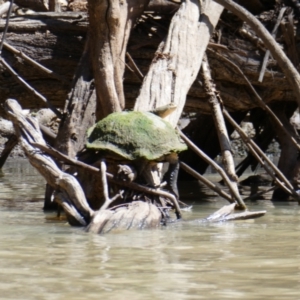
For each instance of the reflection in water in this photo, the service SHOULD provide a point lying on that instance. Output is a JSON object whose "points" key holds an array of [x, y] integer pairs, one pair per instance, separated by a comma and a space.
{"points": [[256, 259]]}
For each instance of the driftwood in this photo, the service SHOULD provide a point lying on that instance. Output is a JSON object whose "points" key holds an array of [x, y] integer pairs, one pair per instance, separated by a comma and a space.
{"points": [[176, 78], [215, 104], [27, 130], [134, 186], [226, 213]]}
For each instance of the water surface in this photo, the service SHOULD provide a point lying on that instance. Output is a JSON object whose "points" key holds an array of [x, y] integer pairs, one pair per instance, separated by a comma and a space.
{"points": [[43, 259]]}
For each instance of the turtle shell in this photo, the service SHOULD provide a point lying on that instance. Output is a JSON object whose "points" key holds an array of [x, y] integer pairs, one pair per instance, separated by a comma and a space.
{"points": [[133, 135]]}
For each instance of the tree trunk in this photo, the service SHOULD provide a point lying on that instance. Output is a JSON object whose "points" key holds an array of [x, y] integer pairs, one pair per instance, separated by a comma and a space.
{"points": [[108, 43]]}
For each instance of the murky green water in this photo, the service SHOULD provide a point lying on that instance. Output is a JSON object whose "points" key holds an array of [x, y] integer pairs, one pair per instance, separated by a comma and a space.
{"points": [[40, 259]]}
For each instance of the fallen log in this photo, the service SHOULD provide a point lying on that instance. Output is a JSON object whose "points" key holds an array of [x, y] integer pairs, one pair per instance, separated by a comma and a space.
{"points": [[56, 41]]}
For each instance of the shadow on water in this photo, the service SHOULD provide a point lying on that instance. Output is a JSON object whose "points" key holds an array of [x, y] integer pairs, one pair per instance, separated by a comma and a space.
{"points": [[257, 259]]}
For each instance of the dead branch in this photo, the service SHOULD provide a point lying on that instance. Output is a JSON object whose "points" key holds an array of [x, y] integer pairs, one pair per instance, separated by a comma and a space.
{"points": [[256, 151], [226, 214], [135, 68], [214, 102], [35, 64], [107, 44], [221, 213], [259, 100]]}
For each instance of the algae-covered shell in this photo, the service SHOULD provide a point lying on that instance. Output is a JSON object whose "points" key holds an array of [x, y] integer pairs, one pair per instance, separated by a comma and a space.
{"points": [[134, 135]]}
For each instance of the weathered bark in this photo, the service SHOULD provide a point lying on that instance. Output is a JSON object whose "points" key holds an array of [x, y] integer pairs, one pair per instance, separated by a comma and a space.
{"points": [[178, 59]]}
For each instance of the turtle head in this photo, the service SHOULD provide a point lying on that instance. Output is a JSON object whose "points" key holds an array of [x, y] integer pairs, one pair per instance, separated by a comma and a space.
{"points": [[165, 110]]}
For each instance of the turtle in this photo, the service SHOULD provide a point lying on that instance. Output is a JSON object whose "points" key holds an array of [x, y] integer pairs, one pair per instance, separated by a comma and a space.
{"points": [[139, 143]]}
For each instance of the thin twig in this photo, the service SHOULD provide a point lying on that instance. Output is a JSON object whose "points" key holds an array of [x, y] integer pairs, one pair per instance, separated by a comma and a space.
{"points": [[35, 64], [135, 68], [267, 54]]}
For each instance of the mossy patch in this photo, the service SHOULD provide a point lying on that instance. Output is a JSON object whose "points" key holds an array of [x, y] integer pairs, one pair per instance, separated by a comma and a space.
{"points": [[134, 135]]}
